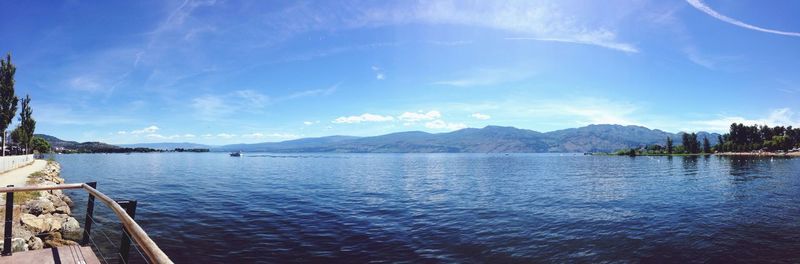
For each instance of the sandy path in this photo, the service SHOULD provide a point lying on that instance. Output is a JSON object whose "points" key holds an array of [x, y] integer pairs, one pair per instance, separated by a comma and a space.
{"points": [[19, 176]]}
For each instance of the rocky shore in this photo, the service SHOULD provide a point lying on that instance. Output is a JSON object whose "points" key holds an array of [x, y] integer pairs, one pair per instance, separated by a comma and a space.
{"points": [[42, 219]]}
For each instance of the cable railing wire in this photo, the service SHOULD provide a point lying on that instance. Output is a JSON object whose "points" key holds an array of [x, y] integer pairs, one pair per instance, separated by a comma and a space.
{"points": [[136, 246], [97, 249], [110, 241]]}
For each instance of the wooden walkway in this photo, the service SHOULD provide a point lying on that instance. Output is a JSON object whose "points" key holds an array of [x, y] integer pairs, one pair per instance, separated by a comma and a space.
{"points": [[60, 255]]}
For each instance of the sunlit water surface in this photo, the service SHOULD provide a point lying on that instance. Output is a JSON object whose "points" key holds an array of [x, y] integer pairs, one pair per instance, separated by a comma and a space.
{"points": [[212, 208]]}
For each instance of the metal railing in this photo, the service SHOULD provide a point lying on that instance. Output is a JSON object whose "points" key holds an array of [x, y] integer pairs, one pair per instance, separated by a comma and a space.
{"points": [[124, 210]]}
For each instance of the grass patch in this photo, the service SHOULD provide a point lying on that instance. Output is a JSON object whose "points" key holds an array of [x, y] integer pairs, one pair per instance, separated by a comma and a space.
{"points": [[24, 197]]}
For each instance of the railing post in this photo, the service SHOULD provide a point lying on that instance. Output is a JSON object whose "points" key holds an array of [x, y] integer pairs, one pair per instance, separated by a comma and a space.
{"points": [[125, 244], [9, 222], [87, 230]]}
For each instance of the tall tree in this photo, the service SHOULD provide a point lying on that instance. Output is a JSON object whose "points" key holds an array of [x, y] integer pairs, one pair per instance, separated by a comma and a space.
{"points": [[669, 145], [8, 100], [27, 123], [41, 145], [706, 145]]}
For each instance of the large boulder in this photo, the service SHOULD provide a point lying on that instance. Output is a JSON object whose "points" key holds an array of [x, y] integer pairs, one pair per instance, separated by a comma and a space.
{"points": [[42, 223], [54, 239], [35, 243], [40, 206], [17, 244], [71, 229], [34, 223]]}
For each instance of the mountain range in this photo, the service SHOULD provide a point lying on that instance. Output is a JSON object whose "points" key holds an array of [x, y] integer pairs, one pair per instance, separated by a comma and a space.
{"points": [[592, 138]]}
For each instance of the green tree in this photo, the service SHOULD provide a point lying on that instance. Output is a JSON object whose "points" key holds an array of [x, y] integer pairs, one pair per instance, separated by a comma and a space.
{"points": [[27, 123], [669, 145], [18, 135], [706, 145], [8, 101], [40, 145]]}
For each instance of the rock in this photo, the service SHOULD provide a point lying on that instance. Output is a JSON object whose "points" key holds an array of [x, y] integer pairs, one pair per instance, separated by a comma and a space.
{"points": [[35, 243], [54, 239], [34, 223], [63, 210], [67, 200], [40, 206], [71, 229], [17, 244], [42, 223]]}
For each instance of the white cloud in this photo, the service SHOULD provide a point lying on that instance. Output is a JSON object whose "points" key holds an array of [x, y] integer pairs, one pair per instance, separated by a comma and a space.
{"points": [[279, 136], [189, 136], [226, 135], [308, 123], [159, 136], [776, 117], [419, 116], [699, 5], [439, 124], [481, 116], [378, 73], [122, 132], [146, 130], [367, 117]]}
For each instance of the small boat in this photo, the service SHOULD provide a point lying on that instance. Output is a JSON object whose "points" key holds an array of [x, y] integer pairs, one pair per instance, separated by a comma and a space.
{"points": [[236, 154]]}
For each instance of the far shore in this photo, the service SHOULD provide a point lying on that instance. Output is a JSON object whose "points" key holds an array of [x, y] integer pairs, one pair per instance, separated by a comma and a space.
{"points": [[760, 154], [750, 154]]}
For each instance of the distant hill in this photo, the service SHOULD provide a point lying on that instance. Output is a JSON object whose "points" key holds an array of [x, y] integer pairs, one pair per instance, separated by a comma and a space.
{"points": [[167, 145], [76, 146], [592, 138]]}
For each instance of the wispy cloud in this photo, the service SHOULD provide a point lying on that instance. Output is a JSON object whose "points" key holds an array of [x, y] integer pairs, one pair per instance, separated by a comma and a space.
{"points": [[540, 20], [699, 5], [776, 117], [597, 40], [275, 136], [212, 107], [486, 77], [366, 117], [146, 130]]}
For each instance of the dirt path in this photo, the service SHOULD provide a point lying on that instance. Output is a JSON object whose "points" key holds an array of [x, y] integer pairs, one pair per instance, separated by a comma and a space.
{"points": [[19, 176]]}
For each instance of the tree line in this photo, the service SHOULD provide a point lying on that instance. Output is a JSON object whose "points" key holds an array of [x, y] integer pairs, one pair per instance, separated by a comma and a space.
{"points": [[740, 138], [22, 135]]}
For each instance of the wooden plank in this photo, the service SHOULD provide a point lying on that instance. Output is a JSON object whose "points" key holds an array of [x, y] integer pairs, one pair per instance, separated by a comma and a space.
{"points": [[62, 255]]}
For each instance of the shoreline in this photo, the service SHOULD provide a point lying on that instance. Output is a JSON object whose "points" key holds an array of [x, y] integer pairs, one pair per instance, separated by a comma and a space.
{"points": [[43, 219], [739, 154], [760, 154]]}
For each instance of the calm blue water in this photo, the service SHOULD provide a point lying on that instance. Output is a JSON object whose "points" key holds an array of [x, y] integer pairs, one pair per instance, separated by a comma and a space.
{"points": [[431, 208]]}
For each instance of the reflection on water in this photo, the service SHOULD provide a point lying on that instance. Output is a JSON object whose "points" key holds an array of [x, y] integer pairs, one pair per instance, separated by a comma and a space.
{"points": [[208, 207]]}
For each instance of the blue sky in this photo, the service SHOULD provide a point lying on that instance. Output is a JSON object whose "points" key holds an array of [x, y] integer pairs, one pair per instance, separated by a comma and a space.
{"points": [[252, 71]]}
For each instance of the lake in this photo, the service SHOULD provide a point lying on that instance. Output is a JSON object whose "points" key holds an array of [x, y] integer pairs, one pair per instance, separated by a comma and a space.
{"points": [[433, 208]]}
